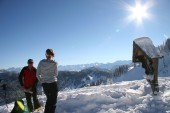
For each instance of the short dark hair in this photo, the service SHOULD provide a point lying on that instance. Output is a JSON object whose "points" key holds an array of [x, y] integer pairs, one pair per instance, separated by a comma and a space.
{"points": [[30, 61]]}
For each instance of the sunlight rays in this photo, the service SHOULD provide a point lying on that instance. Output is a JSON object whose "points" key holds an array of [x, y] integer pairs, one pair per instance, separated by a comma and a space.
{"points": [[139, 12]]}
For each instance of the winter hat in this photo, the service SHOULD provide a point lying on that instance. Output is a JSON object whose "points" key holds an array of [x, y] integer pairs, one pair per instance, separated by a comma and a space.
{"points": [[30, 61], [50, 52]]}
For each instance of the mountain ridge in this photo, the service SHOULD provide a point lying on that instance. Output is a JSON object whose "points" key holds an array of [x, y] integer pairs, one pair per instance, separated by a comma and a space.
{"points": [[79, 67]]}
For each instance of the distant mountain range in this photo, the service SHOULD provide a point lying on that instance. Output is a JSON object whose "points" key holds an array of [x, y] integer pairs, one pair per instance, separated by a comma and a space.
{"points": [[85, 75], [98, 65], [80, 67]]}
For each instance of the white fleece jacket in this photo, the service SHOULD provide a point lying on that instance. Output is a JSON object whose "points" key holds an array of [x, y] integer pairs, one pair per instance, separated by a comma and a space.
{"points": [[47, 71]]}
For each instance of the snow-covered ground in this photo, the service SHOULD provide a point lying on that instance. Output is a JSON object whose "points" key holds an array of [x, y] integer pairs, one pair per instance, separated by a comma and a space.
{"points": [[121, 97], [136, 73]]}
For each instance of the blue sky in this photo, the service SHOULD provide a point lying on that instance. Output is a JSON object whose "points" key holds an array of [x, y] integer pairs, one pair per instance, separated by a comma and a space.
{"points": [[79, 31]]}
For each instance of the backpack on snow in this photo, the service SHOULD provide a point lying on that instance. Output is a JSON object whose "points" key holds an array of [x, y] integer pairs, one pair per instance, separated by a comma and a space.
{"points": [[19, 107]]}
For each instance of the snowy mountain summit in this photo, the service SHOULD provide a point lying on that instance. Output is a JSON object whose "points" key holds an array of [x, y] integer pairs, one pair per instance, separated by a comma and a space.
{"points": [[122, 97]]}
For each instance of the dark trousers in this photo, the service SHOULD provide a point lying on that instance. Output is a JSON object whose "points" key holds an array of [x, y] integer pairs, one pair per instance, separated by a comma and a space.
{"points": [[35, 99], [51, 92]]}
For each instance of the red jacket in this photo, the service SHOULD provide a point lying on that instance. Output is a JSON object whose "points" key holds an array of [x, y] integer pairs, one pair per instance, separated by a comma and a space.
{"points": [[27, 77]]}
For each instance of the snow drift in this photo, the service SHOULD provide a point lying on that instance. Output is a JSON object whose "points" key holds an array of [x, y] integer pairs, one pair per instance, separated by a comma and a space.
{"points": [[122, 97]]}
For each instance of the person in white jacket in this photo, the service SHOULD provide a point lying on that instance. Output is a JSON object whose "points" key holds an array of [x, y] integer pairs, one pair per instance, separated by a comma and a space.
{"points": [[47, 73]]}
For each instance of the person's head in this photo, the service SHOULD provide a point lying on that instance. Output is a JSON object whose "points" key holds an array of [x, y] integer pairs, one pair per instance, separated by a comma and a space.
{"points": [[49, 54], [30, 62]]}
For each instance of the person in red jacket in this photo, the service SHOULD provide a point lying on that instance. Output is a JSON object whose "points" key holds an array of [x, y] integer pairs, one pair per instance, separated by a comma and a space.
{"points": [[28, 82]]}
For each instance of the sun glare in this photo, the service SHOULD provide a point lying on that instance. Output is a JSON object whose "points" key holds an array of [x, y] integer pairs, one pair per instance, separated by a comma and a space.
{"points": [[139, 12]]}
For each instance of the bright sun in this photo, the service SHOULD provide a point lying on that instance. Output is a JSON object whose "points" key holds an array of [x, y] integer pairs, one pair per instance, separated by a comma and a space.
{"points": [[139, 12]]}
